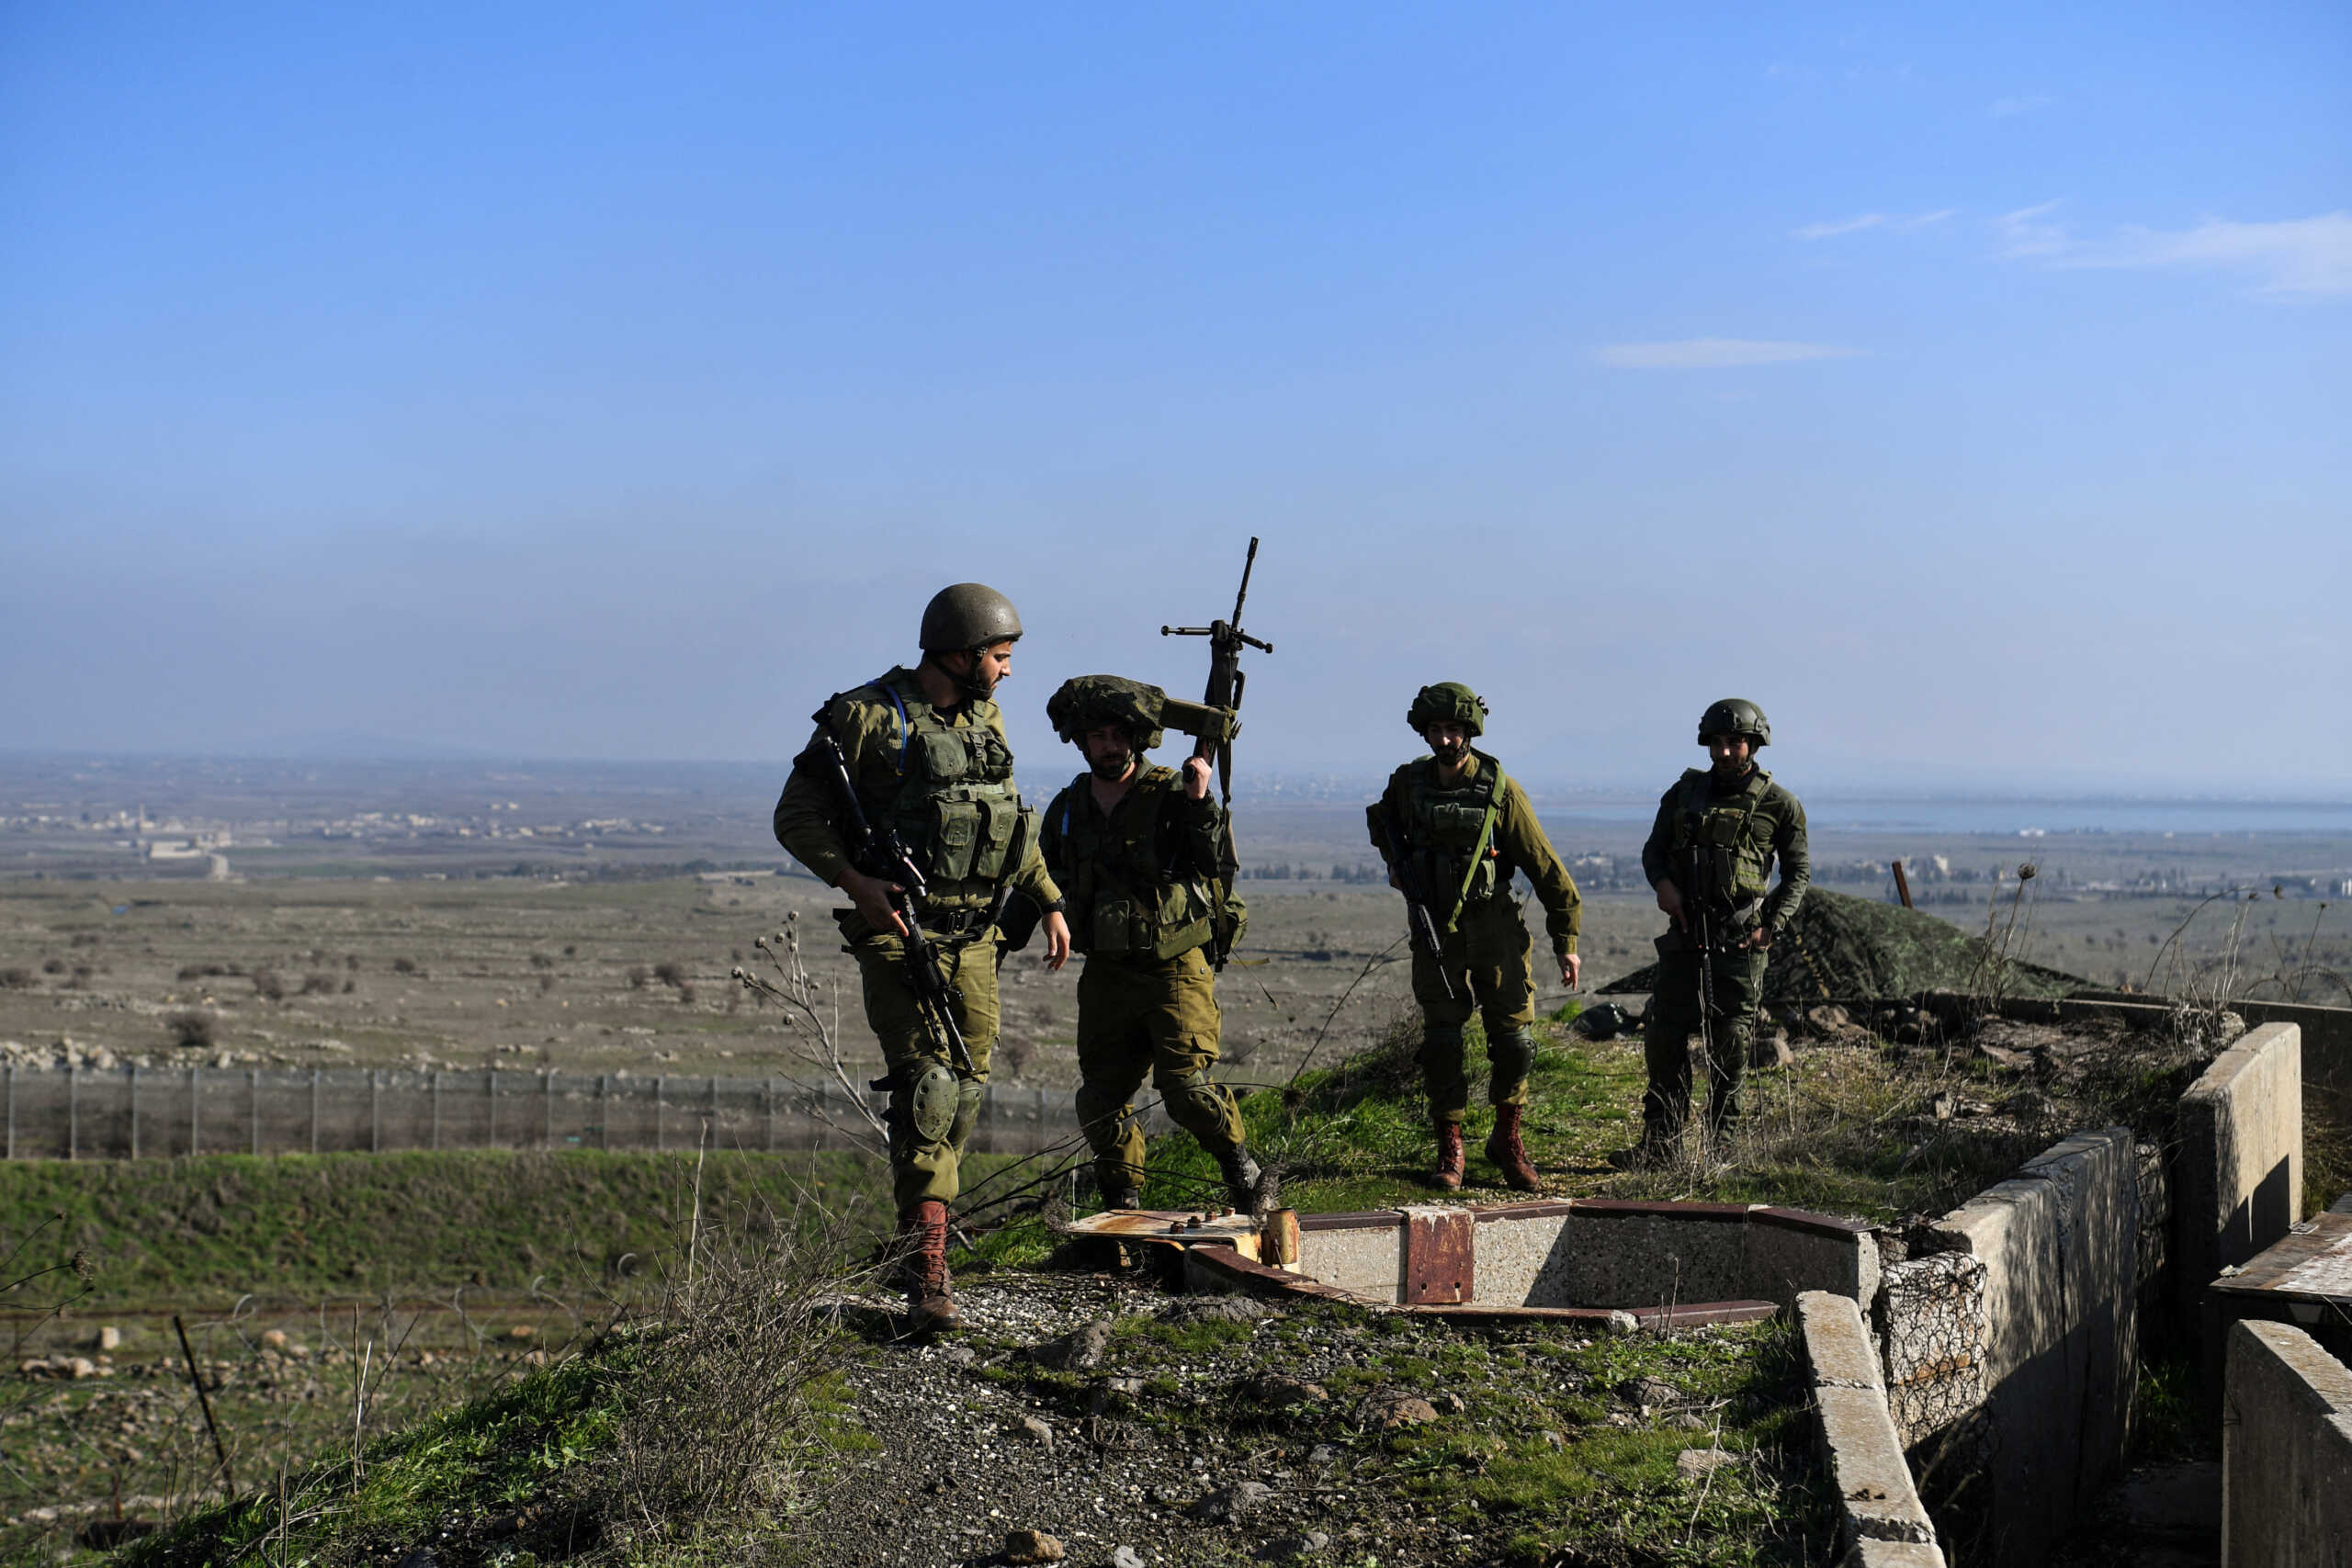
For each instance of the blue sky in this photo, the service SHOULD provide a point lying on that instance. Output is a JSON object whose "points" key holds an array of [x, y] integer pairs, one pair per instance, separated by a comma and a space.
{"points": [[1970, 387]]}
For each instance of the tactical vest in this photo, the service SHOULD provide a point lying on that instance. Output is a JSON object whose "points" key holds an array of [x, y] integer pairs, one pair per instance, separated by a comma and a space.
{"points": [[1716, 855], [1452, 827], [956, 809], [1122, 903]]}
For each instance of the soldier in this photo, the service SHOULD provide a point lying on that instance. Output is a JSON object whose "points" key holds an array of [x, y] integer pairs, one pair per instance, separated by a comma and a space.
{"points": [[1709, 856], [1136, 846], [926, 753], [1462, 827]]}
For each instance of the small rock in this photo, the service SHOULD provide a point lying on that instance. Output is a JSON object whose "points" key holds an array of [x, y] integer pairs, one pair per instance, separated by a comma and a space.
{"points": [[1621, 1325], [79, 1367], [1402, 1410], [1283, 1393], [1044, 1434], [1080, 1348], [1124, 1557], [1691, 1421], [1032, 1546], [1451, 1403], [521, 1331], [1216, 1309], [109, 1337], [957, 1355], [1652, 1392], [1323, 1456], [1228, 1504], [274, 1339], [1556, 1439], [1693, 1463]]}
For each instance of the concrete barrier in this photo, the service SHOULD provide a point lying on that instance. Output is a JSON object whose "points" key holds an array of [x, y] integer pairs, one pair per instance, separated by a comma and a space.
{"points": [[2286, 1452], [1878, 1506], [2239, 1169], [2060, 1246]]}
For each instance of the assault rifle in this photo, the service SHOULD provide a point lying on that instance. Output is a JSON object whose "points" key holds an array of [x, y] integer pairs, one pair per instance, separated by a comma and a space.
{"points": [[1700, 917], [880, 852], [1226, 680], [1418, 922]]}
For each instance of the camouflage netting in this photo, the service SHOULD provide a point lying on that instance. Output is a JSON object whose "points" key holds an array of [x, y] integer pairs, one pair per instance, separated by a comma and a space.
{"points": [[1851, 949]]}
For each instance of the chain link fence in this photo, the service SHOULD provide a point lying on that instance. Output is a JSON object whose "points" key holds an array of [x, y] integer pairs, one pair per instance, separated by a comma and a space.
{"points": [[141, 1113]]}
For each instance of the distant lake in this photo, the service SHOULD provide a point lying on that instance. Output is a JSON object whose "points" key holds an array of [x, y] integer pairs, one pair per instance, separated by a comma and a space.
{"points": [[2023, 815]]}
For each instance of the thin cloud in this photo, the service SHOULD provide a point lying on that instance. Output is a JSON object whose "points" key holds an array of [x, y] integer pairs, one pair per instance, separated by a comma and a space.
{"points": [[2008, 108], [2297, 258], [1899, 223], [1714, 354]]}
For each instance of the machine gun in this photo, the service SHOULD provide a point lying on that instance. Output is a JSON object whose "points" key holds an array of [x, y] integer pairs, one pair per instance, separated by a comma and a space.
{"points": [[880, 852], [1418, 922], [1226, 680]]}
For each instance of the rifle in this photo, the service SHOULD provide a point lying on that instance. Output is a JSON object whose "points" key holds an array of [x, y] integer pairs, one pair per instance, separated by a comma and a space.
{"points": [[880, 852], [1418, 922], [1699, 912], [1225, 686]]}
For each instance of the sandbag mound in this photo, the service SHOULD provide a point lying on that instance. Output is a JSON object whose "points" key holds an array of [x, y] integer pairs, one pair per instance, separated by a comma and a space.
{"points": [[1853, 949]]}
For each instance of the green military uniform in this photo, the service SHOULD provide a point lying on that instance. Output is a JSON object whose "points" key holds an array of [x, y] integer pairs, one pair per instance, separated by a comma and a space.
{"points": [[1471, 836], [942, 779], [1718, 841], [1141, 899]]}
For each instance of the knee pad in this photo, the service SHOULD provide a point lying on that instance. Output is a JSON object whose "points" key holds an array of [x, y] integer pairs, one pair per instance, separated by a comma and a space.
{"points": [[1194, 1086], [967, 1110], [1512, 1052], [931, 1101]]}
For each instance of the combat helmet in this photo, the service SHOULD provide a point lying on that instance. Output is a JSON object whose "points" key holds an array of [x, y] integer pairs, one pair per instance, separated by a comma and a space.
{"points": [[1735, 715], [1086, 702], [965, 616], [1448, 702]]}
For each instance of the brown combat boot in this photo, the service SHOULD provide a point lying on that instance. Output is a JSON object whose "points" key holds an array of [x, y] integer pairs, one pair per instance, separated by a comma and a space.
{"points": [[931, 1308], [1450, 1159], [1508, 1153]]}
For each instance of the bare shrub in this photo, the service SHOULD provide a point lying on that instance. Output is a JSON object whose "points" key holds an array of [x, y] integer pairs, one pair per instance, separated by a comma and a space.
{"points": [[686, 994], [52, 967], [1013, 1054], [318, 984], [541, 960], [349, 985], [404, 967], [15, 979], [636, 976], [269, 986], [547, 984], [670, 973], [207, 971], [84, 939], [351, 961], [192, 1028]]}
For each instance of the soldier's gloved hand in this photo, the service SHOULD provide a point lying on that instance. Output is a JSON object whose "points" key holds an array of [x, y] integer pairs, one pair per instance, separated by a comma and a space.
{"points": [[1669, 899], [1761, 937], [1056, 939], [1571, 969], [1196, 778], [872, 896]]}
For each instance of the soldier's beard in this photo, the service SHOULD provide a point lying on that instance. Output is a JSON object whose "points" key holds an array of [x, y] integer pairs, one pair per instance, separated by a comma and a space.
{"points": [[1110, 767], [1450, 753]]}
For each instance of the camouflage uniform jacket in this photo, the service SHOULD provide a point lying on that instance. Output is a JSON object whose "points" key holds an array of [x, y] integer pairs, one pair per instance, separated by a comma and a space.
{"points": [[1521, 839], [1773, 830], [873, 738], [1150, 857]]}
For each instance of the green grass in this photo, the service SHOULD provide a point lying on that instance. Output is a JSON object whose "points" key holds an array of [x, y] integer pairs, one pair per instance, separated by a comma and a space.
{"points": [[198, 1234]]}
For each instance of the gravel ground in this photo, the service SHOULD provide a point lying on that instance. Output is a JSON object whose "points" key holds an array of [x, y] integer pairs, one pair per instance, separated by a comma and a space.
{"points": [[1136, 1428]]}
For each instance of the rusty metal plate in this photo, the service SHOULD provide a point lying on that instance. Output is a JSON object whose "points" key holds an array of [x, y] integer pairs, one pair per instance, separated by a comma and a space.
{"points": [[1440, 1255], [2312, 1261], [1164, 1224]]}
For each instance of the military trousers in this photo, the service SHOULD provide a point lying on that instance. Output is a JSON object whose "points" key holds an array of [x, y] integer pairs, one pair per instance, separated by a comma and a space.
{"points": [[1737, 980], [1488, 958], [933, 1101], [1155, 1016]]}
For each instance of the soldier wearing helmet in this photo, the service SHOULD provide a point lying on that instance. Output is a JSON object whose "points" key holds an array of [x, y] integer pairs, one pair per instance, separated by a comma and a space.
{"points": [[1467, 828], [1710, 857], [1134, 847], [927, 756]]}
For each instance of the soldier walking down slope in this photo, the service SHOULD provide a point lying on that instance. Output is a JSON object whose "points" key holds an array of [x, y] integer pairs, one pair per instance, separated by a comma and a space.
{"points": [[1710, 858], [904, 800], [1135, 848], [1453, 829]]}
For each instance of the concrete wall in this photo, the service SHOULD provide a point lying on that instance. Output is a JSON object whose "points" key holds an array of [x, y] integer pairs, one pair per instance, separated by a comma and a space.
{"points": [[2060, 1247], [1881, 1519], [2240, 1167], [2286, 1452]]}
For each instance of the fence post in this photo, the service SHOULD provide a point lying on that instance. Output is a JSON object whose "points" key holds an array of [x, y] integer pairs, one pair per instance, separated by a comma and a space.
{"points": [[604, 1111], [12, 1111], [314, 1111], [494, 1108], [713, 1111], [661, 1092], [73, 1110], [437, 1108], [375, 1110], [195, 1100], [768, 1107], [253, 1108], [134, 1111], [547, 1127]]}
